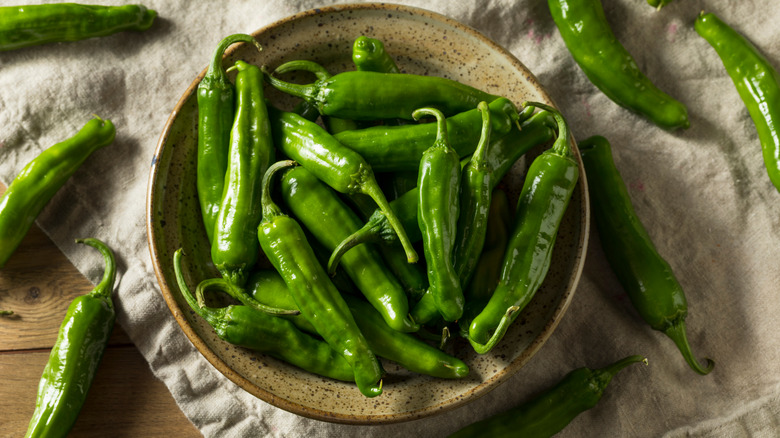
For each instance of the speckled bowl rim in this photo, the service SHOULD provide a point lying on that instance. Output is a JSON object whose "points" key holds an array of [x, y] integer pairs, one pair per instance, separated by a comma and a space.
{"points": [[318, 414]]}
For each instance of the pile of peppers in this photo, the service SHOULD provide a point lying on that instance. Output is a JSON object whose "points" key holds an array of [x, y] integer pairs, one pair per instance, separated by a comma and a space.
{"points": [[313, 226]]}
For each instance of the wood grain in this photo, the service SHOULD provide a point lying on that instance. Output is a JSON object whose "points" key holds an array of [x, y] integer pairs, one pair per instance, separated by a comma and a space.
{"points": [[126, 400]]}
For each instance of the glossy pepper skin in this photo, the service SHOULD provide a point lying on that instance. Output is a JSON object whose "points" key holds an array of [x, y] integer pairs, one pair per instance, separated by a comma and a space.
{"points": [[284, 243], [438, 209], [334, 164], [487, 271], [609, 66], [32, 25], [234, 248], [551, 411], [474, 201], [368, 54], [545, 195], [329, 220], [41, 179], [646, 277], [400, 148], [501, 155], [756, 80], [370, 95], [76, 354], [402, 348], [246, 327], [216, 100]]}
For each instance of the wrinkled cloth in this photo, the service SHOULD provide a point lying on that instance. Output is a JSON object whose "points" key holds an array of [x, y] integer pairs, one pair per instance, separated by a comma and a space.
{"points": [[702, 193]]}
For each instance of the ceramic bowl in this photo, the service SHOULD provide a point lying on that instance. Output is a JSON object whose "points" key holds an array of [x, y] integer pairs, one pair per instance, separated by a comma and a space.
{"points": [[421, 42]]}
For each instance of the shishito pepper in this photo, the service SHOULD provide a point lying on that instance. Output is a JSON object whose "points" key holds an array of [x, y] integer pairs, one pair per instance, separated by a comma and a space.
{"points": [[756, 80], [216, 100], [646, 277], [369, 95], [76, 354], [32, 25], [42, 177], [609, 66], [284, 243], [234, 247], [550, 412], [249, 328], [545, 195]]}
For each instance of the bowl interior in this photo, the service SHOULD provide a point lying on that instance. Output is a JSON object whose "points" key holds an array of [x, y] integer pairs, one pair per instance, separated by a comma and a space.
{"points": [[421, 42]]}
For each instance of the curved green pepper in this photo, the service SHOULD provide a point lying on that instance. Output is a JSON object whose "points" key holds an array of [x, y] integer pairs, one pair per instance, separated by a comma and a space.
{"points": [[438, 185], [546, 192], [234, 248], [76, 354], [550, 412], [757, 82], [261, 332], [329, 220], [32, 25], [400, 148], [334, 164], [609, 66], [370, 95], [284, 243], [42, 177], [216, 98], [646, 277]]}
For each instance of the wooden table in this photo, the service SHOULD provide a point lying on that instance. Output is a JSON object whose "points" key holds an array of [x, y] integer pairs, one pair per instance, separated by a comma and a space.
{"points": [[126, 400]]}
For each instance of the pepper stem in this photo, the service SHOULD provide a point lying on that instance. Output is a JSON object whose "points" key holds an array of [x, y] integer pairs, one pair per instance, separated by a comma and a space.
{"points": [[677, 333], [106, 285], [358, 237], [613, 369], [269, 207], [215, 71], [562, 144], [304, 65], [207, 313], [503, 325], [239, 294], [369, 186], [442, 137], [306, 92], [478, 160]]}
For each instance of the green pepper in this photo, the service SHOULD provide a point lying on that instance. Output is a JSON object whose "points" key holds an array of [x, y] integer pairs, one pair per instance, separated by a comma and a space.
{"points": [[757, 82], [335, 164], [501, 155], [475, 191], [368, 54], [545, 195], [234, 248], [216, 98], [551, 411], [369, 95], [284, 244], [42, 177], [76, 355], [487, 272], [438, 209], [400, 148], [609, 66], [320, 210], [646, 277], [261, 332], [32, 25], [402, 348]]}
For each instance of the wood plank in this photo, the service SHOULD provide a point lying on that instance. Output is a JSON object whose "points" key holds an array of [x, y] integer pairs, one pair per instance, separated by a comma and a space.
{"points": [[125, 399], [38, 283]]}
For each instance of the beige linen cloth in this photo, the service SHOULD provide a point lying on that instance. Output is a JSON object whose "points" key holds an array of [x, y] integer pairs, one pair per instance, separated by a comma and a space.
{"points": [[703, 194]]}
